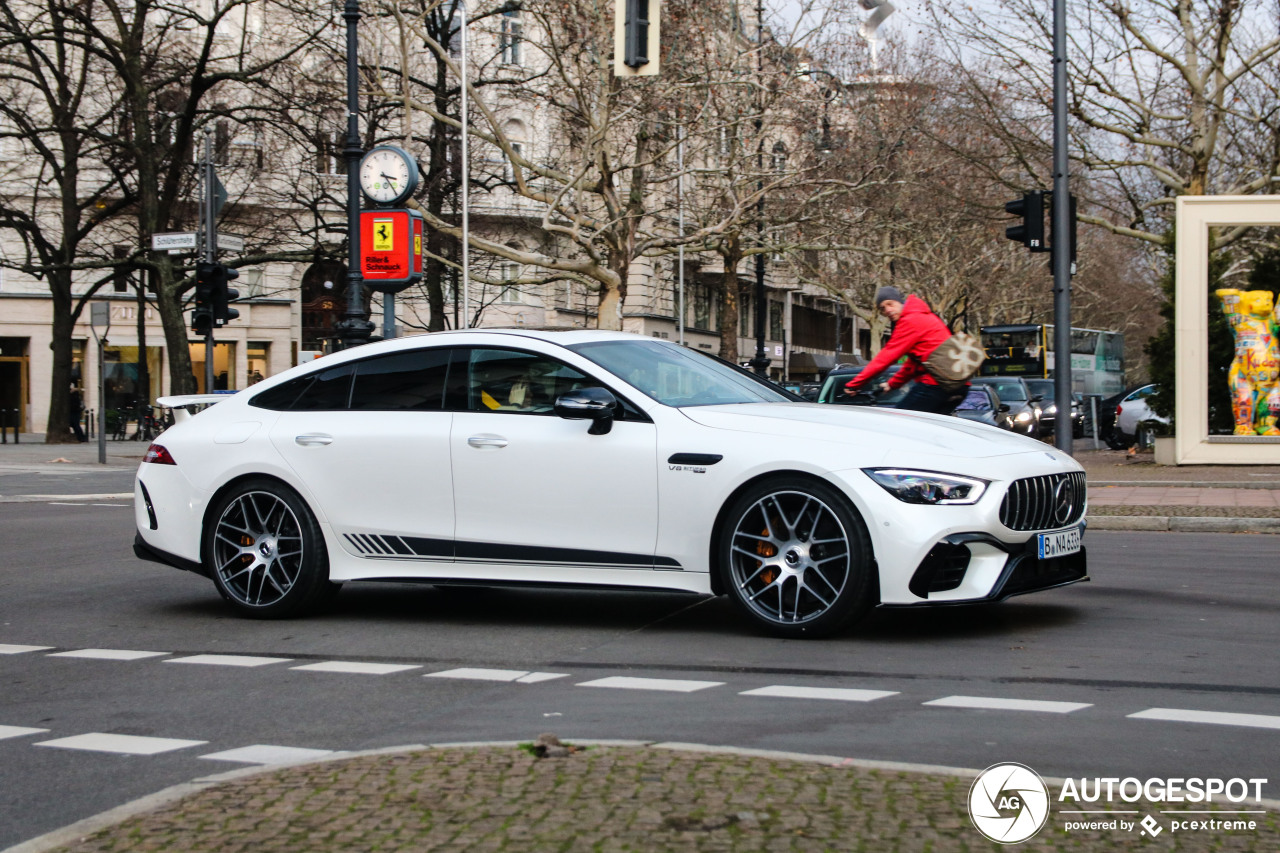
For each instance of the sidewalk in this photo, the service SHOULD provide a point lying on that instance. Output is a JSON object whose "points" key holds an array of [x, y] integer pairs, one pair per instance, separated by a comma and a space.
{"points": [[602, 796]]}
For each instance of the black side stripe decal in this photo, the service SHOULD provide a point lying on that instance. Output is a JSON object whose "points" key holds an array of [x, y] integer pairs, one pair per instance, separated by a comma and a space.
{"points": [[443, 549]]}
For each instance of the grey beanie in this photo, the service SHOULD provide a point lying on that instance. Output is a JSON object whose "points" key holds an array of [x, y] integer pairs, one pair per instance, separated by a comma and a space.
{"points": [[889, 292]]}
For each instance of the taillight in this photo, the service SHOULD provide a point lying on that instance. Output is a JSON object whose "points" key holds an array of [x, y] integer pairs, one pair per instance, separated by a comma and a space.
{"points": [[1119, 409], [156, 453]]}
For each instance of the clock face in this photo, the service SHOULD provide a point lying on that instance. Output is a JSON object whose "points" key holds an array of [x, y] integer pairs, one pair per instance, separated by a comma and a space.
{"points": [[388, 175]]}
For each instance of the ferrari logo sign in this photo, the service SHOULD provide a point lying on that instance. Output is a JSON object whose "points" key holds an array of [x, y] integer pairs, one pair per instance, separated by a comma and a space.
{"points": [[383, 235], [390, 249]]}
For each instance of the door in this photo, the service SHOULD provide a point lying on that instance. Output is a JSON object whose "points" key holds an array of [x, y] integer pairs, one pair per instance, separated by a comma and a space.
{"points": [[371, 442], [534, 489]]}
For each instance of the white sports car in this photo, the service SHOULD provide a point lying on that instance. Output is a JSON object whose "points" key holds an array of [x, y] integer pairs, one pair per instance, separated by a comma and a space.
{"points": [[598, 459]]}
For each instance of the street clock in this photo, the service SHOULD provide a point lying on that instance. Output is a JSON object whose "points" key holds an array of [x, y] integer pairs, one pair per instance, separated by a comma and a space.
{"points": [[388, 175]]}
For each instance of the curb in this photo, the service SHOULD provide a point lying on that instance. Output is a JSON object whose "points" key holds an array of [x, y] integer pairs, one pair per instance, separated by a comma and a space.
{"points": [[1184, 524], [1272, 485], [27, 499]]}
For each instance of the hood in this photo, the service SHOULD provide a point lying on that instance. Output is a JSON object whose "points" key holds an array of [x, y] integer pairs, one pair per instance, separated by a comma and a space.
{"points": [[888, 429]]}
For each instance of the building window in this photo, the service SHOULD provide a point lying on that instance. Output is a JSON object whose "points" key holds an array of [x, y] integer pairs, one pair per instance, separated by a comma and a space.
{"points": [[779, 157], [257, 366], [745, 328], [329, 156], [701, 297], [510, 38], [775, 320], [508, 172]]}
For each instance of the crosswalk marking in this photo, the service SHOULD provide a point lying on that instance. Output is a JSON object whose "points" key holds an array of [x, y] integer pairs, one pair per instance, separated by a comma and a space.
{"points": [[477, 674], [261, 753], [536, 677], [228, 660], [108, 654], [11, 649], [1214, 718], [844, 694], [19, 731], [356, 667], [993, 704], [120, 744], [670, 685]]}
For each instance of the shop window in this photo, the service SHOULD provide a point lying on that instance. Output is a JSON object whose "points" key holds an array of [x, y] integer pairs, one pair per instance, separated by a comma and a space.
{"points": [[257, 358], [224, 359]]}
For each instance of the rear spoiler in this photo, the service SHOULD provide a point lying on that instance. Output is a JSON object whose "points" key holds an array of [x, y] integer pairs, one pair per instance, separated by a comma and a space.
{"points": [[182, 403]]}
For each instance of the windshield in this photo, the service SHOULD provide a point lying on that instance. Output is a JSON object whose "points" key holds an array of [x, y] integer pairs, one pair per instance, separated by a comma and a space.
{"points": [[678, 376], [1044, 387], [976, 401], [1009, 390]]}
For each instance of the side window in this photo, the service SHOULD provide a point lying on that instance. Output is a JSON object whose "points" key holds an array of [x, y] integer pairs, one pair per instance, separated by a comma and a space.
{"points": [[405, 381], [512, 381], [281, 397], [329, 390]]}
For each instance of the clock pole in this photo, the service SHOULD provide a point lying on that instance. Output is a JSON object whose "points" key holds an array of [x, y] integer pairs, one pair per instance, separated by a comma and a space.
{"points": [[354, 328]]}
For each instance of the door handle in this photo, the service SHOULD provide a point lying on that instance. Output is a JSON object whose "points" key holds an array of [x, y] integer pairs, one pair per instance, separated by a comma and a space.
{"points": [[483, 441], [314, 440]]}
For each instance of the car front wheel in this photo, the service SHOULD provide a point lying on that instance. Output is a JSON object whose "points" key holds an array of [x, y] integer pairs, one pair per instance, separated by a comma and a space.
{"points": [[796, 558], [266, 553]]}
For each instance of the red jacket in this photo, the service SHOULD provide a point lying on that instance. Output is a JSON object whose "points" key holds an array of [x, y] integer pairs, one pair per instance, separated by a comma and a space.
{"points": [[916, 335]]}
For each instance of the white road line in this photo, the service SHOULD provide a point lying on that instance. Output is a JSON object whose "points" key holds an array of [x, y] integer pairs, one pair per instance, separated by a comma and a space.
{"points": [[266, 754], [19, 731], [841, 693], [473, 674], [993, 704], [63, 503], [356, 668], [228, 660], [108, 654], [1214, 718], [535, 677], [670, 685], [120, 744], [10, 649]]}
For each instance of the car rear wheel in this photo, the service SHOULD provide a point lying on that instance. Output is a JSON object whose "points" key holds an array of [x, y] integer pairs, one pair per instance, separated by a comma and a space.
{"points": [[796, 558], [266, 553]]}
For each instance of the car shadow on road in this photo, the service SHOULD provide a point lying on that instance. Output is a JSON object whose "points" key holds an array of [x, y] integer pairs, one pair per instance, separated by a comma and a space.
{"points": [[974, 621]]}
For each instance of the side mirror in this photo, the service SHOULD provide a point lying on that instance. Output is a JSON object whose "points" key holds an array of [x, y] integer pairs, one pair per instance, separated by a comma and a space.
{"points": [[1037, 398], [1004, 407], [591, 404]]}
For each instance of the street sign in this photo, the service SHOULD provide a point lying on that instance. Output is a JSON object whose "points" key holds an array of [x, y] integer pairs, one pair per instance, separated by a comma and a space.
{"points": [[230, 242], [179, 240]]}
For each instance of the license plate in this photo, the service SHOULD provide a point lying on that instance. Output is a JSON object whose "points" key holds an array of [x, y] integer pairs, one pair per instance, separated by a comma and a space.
{"points": [[1049, 545]]}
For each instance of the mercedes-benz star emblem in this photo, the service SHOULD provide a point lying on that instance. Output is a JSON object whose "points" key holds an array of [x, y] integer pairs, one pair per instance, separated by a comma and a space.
{"points": [[1064, 501]]}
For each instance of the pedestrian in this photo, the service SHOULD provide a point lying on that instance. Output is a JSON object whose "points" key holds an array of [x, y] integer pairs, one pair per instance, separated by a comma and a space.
{"points": [[75, 409], [915, 332]]}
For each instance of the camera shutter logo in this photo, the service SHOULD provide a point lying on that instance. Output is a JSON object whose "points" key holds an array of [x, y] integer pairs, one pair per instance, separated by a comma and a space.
{"points": [[1009, 803]]}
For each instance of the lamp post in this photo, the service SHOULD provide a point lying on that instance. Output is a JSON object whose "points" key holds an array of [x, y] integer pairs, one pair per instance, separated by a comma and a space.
{"points": [[355, 327], [466, 175], [760, 363]]}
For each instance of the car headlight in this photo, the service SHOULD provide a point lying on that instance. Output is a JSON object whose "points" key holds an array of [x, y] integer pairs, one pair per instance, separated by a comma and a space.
{"points": [[928, 487], [1052, 410], [1022, 417]]}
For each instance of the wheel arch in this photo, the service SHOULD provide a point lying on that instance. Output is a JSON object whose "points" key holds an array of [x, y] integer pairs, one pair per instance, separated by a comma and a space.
{"points": [[717, 580], [225, 488]]}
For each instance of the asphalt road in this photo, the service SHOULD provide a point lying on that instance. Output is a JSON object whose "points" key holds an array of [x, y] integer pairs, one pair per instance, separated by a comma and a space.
{"points": [[1181, 622]]}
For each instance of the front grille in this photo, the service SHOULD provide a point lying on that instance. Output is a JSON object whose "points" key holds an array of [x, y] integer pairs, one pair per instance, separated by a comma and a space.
{"points": [[1044, 503]]}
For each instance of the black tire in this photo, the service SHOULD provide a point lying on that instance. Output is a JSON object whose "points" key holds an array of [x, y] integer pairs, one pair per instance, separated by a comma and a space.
{"points": [[796, 558], [265, 552], [1116, 440]]}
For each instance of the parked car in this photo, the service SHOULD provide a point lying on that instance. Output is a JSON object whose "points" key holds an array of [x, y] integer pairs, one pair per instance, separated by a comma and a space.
{"points": [[982, 404], [807, 390], [601, 459], [1045, 388], [1136, 423], [833, 388], [1022, 402]]}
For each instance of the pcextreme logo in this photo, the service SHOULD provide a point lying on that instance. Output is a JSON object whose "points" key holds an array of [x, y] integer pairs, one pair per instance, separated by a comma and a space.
{"points": [[1009, 803]]}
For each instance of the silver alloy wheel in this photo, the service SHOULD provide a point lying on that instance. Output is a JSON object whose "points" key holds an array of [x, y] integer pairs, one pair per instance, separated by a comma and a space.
{"points": [[258, 549], [790, 557]]}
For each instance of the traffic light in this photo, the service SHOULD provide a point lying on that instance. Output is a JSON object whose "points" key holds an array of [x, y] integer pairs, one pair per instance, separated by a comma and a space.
{"points": [[202, 315], [1031, 232], [222, 294]]}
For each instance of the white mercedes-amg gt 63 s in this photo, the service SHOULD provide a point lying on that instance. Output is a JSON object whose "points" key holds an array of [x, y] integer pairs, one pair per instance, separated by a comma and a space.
{"points": [[597, 459]]}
